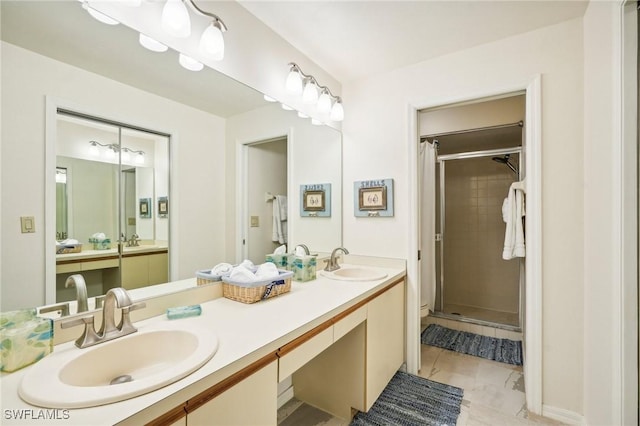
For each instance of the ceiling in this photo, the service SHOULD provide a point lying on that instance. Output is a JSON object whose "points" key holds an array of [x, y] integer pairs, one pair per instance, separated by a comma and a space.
{"points": [[348, 39], [355, 39]]}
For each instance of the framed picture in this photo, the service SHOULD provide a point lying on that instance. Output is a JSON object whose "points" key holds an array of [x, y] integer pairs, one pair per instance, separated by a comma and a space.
{"points": [[163, 207], [315, 200], [145, 208], [373, 198]]}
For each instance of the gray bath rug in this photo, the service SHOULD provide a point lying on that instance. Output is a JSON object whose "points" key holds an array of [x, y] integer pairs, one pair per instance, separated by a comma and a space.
{"points": [[501, 350], [412, 400]]}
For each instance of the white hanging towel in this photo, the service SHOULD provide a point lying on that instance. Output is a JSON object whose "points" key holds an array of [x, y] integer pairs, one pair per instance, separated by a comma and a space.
{"points": [[279, 233], [513, 212]]}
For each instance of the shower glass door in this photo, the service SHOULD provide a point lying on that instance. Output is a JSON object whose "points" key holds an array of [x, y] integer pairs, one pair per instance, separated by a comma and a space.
{"points": [[474, 282]]}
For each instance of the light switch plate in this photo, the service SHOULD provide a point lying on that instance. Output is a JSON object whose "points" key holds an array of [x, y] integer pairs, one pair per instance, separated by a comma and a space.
{"points": [[255, 221], [28, 224]]}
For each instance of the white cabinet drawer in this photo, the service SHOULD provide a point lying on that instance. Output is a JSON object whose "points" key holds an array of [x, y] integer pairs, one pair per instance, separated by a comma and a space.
{"points": [[303, 353]]}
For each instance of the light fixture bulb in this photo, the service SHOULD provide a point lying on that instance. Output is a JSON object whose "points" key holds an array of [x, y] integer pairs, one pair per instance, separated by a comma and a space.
{"points": [[316, 122], [131, 3], [110, 153], [212, 42], [152, 44], [93, 149], [324, 103], [294, 82], [99, 15], [286, 107], [310, 92], [269, 98], [337, 112], [140, 158], [302, 115], [175, 19], [190, 63], [124, 155]]}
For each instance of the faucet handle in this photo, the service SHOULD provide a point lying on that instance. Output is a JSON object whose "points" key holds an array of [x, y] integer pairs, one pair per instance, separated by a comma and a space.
{"points": [[89, 336], [63, 308], [125, 322]]}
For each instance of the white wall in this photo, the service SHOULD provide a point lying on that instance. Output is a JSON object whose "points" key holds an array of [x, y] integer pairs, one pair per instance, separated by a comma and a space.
{"points": [[375, 134], [602, 216], [197, 185]]}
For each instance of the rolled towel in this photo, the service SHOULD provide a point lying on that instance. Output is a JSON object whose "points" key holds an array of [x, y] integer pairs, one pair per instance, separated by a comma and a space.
{"points": [[267, 270], [248, 264], [280, 250], [242, 275], [222, 269]]}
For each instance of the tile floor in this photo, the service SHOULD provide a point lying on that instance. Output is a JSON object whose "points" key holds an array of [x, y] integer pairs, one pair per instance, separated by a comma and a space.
{"points": [[493, 392]]}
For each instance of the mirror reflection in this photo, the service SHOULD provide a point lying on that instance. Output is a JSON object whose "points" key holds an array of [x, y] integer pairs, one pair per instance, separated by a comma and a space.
{"points": [[212, 115]]}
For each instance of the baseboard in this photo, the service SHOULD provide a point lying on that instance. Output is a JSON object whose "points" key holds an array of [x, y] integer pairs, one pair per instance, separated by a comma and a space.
{"points": [[562, 415], [285, 396]]}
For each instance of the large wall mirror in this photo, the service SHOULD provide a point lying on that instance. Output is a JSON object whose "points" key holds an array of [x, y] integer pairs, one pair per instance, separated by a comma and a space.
{"points": [[200, 195]]}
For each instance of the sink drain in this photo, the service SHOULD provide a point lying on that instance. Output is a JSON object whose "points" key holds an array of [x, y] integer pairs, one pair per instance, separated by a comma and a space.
{"points": [[121, 379]]}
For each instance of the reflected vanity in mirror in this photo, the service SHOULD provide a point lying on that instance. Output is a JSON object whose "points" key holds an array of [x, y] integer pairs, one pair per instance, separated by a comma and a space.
{"points": [[243, 117]]}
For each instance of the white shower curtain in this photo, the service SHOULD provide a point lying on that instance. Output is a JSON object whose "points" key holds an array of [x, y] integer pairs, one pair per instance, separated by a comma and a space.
{"points": [[427, 236]]}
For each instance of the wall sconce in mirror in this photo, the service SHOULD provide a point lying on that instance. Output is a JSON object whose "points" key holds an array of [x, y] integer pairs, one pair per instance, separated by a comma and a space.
{"points": [[112, 150], [306, 85]]}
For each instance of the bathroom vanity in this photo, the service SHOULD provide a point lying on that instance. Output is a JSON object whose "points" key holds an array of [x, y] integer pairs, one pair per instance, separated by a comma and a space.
{"points": [[340, 342]]}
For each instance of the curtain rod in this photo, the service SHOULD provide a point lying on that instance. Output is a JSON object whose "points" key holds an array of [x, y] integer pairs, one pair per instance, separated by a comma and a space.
{"points": [[459, 132]]}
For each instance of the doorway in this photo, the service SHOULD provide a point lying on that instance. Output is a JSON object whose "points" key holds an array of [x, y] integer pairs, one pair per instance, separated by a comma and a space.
{"points": [[265, 221]]}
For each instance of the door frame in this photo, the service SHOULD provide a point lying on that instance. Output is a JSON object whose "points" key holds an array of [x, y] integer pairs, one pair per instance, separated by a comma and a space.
{"points": [[532, 145]]}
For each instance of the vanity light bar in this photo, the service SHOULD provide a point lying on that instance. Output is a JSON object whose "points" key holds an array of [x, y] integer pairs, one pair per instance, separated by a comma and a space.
{"points": [[299, 83], [113, 148]]}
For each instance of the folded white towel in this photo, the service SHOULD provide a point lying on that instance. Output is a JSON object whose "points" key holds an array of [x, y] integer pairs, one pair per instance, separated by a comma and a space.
{"points": [[279, 232], [505, 210], [242, 275], [280, 250], [71, 241], [267, 270], [222, 269]]}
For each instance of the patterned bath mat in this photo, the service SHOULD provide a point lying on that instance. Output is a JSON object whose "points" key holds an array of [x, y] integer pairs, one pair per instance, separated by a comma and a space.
{"points": [[501, 350], [413, 400]]}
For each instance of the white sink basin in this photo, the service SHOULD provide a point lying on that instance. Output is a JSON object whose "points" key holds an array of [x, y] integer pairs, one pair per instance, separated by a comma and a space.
{"points": [[143, 361], [355, 273]]}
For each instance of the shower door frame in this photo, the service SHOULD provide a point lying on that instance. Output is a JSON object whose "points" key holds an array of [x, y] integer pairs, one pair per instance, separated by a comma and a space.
{"points": [[441, 159]]}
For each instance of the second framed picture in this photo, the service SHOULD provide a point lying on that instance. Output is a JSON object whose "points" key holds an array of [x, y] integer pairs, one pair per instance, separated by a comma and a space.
{"points": [[315, 200]]}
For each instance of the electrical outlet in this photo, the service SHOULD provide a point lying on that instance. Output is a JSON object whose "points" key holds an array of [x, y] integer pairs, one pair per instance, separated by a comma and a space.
{"points": [[255, 221], [27, 224]]}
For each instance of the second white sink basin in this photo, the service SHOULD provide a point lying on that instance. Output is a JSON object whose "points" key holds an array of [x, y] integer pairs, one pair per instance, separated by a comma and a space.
{"points": [[119, 369], [355, 273]]}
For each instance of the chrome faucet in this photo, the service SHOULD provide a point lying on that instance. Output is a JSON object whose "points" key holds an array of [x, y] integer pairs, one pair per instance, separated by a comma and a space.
{"points": [[115, 298], [332, 262], [133, 241], [78, 282]]}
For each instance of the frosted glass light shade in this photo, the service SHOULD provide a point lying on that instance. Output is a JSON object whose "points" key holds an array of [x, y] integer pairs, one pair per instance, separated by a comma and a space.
{"points": [[302, 115], [294, 82], [152, 44], [124, 155], [316, 122], [93, 150], [324, 103], [268, 98], [99, 15], [212, 43], [140, 158], [337, 112], [310, 93], [190, 63], [286, 107], [175, 19]]}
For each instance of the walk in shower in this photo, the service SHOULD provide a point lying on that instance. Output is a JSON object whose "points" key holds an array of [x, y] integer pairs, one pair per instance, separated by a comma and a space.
{"points": [[473, 174]]}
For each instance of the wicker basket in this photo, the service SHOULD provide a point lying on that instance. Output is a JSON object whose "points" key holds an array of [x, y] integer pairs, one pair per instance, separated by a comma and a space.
{"points": [[245, 293], [205, 276]]}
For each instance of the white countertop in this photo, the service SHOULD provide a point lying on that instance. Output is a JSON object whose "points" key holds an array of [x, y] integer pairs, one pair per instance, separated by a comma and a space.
{"points": [[92, 254], [246, 332]]}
